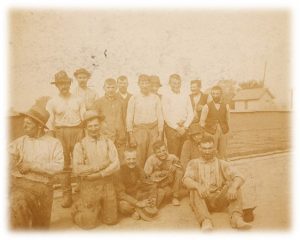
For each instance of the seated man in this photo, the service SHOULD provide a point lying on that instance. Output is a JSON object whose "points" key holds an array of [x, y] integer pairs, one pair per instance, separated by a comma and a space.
{"points": [[136, 194], [35, 158], [214, 185], [95, 160], [165, 169]]}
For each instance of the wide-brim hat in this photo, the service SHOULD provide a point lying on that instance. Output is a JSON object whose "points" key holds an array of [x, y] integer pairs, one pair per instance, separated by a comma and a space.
{"points": [[91, 114], [61, 77], [195, 129], [82, 71], [38, 114]]}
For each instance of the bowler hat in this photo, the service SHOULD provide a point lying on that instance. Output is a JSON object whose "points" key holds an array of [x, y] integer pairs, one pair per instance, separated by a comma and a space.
{"points": [[61, 77], [82, 71], [195, 129], [38, 114], [91, 114]]}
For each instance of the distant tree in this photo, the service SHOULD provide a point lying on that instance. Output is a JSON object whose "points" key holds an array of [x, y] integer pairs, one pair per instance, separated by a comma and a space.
{"points": [[251, 84]]}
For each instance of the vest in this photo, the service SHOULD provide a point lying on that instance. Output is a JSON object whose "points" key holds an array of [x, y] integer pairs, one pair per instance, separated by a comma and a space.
{"points": [[200, 104], [215, 117]]}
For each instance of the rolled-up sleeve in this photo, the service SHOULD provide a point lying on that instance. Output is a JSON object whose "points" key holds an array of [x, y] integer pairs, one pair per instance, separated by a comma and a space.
{"points": [[114, 165], [230, 172]]}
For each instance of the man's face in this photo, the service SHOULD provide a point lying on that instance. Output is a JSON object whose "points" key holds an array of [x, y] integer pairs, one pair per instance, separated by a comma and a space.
{"points": [[63, 87], [155, 87], [195, 89], [197, 137], [110, 89], [30, 127], [144, 86], [175, 85], [93, 127], [123, 85], [130, 159], [207, 151], [161, 153], [82, 80], [216, 95]]}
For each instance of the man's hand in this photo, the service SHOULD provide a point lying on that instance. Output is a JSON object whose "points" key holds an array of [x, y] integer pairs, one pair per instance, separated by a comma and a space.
{"points": [[202, 191], [232, 193], [23, 167], [143, 203]]}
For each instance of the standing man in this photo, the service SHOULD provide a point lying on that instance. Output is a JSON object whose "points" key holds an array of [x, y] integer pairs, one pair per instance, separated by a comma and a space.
{"points": [[82, 90], [144, 120], [214, 119], [113, 109], [198, 99], [166, 170], [137, 194], [66, 112], [214, 185], [35, 158], [95, 160], [178, 115], [122, 93], [155, 85]]}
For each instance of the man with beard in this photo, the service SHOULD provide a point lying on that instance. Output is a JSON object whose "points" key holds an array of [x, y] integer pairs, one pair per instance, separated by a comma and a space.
{"points": [[165, 169], [144, 120], [66, 113], [137, 194], [215, 121], [198, 99], [214, 185], [35, 158], [113, 109], [82, 90], [190, 148]]}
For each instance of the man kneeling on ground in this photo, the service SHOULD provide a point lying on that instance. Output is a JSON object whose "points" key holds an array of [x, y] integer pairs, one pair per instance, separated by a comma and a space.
{"points": [[95, 160], [214, 185], [165, 169], [136, 193]]}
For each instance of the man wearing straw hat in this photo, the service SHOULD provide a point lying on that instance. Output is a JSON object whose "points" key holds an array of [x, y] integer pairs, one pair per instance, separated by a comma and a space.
{"points": [[66, 112], [35, 158], [95, 161]]}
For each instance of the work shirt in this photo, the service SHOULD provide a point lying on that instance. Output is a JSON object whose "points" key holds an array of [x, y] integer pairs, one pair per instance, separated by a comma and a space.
{"points": [[144, 110], [65, 111], [95, 154], [113, 110], [177, 108], [88, 96], [45, 154], [213, 175]]}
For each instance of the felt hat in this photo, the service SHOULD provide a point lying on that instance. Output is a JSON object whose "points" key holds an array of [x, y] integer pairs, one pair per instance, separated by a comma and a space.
{"points": [[82, 71], [38, 114], [61, 77]]}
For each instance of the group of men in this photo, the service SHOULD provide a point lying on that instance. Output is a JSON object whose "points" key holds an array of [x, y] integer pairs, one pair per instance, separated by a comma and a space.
{"points": [[128, 153]]}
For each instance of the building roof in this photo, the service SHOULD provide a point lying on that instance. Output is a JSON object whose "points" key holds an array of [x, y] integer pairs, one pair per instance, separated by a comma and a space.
{"points": [[251, 94]]}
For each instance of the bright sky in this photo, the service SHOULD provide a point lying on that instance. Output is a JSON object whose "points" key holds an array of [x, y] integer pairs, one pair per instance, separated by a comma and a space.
{"points": [[210, 45]]}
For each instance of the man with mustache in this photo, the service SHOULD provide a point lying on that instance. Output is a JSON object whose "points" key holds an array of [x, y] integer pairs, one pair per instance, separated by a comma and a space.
{"points": [[214, 120], [82, 90], [66, 114]]}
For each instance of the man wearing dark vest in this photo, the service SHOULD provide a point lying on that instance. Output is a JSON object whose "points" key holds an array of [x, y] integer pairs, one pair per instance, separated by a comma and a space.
{"points": [[215, 121], [198, 99]]}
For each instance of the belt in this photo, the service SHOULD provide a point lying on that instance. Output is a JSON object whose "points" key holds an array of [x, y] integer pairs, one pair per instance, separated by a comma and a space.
{"points": [[146, 125]]}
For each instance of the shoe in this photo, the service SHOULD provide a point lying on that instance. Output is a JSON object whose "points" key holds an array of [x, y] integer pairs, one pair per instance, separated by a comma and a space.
{"points": [[135, 216], [175, 202], [248, 215], [67, 201], [206, 225], [238, 223]]}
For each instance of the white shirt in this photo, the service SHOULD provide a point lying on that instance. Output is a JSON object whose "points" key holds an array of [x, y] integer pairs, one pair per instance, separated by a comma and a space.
{"points": [[177, 108]]}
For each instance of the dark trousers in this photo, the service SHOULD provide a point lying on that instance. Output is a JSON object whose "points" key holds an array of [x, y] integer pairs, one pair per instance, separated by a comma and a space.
{"points": [[30, 204], [174, 140]]}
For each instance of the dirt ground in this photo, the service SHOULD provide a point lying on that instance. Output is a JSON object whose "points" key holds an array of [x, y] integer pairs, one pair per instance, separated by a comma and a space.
{"points": [[272, 178]]}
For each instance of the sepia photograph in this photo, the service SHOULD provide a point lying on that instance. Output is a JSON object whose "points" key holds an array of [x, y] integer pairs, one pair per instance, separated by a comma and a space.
{"points": [[149, 120]]}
